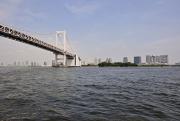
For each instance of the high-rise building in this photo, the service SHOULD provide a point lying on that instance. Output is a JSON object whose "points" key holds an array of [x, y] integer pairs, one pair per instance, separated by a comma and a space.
{"points": [[99, 60], [157, 59], [153, 59], [137, 59], [95, 61], [19, 63], [84, 63], [15, 63], [27, 63], [148, 59], [125, 60], [45, 63], [32, 64], [162, 59], [108, 60]]}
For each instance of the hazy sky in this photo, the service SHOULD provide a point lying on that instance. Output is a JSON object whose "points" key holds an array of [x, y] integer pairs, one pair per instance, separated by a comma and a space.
{"points": [[96, 28]]}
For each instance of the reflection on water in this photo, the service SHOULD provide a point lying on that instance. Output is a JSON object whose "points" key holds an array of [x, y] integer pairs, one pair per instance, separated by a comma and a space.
{"points": [[89, 94]]}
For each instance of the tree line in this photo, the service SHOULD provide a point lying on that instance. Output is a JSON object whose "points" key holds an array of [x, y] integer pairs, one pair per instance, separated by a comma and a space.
{"points": [[116, 64]]}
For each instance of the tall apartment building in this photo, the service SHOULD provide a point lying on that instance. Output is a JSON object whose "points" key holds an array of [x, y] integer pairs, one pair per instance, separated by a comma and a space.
{"points": [[148, 59], [95, 61], [108, 60], [99, 60], [162, 59], [125, 60], [137, 59]]}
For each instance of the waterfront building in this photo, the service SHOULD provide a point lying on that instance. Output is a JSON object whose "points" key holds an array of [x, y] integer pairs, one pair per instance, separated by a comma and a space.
{"points": [[32, 64], [157, 60], [99, 60], [15, 63], [125, 60], [19, 63], [84, 63], [45, 63], [95, 61], [108, 60], [27, 63], [137, 59], [177, 64], [162, 59], [153, 59], [148, 59]]}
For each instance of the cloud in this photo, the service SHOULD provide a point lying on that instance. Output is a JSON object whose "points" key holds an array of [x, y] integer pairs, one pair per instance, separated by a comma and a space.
{"points": [[31, 15], [82, 8], [11, 10], [8, 8]]}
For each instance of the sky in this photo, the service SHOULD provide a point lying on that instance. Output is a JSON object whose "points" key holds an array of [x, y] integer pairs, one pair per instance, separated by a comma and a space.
{"points": [[96, 28]]}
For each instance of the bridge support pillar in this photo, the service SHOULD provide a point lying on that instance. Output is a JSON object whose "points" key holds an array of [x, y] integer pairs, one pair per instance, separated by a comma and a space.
{"points": [[60, 60], [64, 60], [56, 60]]}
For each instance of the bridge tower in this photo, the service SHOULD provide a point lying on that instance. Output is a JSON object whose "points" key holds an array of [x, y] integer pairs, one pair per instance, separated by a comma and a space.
{"points": [[61, 60], [65, 60]]}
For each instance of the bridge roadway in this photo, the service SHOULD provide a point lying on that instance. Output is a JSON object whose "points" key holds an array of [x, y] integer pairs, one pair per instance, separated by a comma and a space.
{"points": [[21, 37]]}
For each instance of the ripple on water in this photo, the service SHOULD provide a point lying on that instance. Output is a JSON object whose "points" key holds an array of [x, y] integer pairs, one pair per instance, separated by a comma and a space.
{"points": [[89, 94]]}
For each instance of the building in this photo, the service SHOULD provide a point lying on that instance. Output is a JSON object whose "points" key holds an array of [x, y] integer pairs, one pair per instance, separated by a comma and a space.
{"points": [[125, 60], [108, 60], [153, 59], [157, 60], [18, 63], [137, 59], [27, 63], [148, 59], [99, 60], [15, 63], [84, 63], [162, 59], [95, 61]]}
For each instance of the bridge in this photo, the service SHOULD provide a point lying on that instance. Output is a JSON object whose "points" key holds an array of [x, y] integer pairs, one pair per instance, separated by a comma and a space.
{"points": [[63, 57]]}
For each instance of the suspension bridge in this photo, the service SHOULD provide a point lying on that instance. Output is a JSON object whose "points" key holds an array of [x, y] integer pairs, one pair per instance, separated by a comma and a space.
{"points": [[64, 54]]}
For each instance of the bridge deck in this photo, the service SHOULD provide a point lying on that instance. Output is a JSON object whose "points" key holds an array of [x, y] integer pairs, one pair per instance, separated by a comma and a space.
{"points": [[21, 37]]}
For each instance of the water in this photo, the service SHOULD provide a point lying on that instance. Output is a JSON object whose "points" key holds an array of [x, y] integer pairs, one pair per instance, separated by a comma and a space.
{"points": [[89, 94]]}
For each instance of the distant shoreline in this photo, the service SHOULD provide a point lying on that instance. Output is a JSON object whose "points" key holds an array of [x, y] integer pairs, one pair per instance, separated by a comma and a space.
{"points": [[120, 64], [130, 66]]}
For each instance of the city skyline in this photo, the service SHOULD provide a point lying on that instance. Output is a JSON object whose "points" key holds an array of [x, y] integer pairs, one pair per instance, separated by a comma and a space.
{"points": [[113, 29], [148, 59]]}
